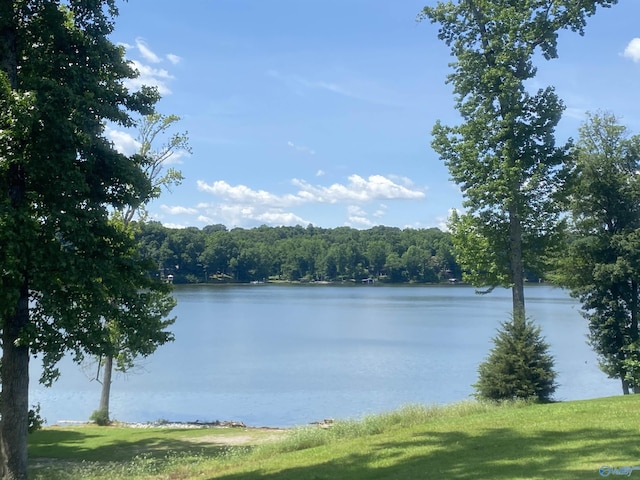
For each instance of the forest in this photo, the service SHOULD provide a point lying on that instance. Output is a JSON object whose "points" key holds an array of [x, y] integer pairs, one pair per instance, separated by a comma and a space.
{"points": [[215, 254]]}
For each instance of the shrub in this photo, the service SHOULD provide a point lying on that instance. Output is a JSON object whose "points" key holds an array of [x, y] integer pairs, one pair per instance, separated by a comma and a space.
{"points": [[518, 367], [35, 420], [100, 417]]}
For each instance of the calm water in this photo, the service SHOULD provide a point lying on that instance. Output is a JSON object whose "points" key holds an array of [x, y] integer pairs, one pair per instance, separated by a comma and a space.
{"points": [[290, 355]]}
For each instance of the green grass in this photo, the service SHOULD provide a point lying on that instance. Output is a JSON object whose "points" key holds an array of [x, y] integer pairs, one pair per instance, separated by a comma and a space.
{"points": [[567, 440]]}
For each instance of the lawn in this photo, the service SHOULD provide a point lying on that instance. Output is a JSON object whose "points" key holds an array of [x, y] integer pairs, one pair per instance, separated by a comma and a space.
{"points": [[567, 440]]}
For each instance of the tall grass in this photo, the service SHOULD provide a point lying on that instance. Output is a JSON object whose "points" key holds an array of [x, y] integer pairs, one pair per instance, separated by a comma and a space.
{"points": [[406, 417]]}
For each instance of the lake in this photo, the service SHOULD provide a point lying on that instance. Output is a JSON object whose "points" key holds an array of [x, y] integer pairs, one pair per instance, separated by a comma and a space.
{"points": [[288, 355]]}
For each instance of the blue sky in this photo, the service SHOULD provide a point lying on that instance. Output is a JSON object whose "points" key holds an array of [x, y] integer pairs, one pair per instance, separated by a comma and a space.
{"points": [[320, 111]]}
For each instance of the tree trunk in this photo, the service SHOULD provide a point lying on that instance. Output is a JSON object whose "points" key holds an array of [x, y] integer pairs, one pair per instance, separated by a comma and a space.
{"points": [[14, 401], [106, 385], [633, 329], [625, 386], [516, 264], [14, 372]]}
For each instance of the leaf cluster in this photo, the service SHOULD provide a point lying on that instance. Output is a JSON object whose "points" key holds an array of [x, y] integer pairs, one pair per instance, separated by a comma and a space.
{"points": [[62, 177]]}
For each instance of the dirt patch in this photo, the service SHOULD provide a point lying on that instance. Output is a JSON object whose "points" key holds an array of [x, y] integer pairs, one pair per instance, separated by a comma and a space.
{"points": [[250, 437]]}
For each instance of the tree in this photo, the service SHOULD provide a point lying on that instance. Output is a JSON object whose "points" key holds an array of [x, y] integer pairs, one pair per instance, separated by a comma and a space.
{"points": [[153, 160], [518, 367], [601, 265], [503, 155], [63, 262]]}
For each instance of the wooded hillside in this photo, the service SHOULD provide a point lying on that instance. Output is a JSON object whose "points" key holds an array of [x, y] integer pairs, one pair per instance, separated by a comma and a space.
{"points": [[216, 254]]}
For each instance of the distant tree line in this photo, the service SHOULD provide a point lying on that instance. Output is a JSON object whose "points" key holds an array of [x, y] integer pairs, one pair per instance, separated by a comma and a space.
{"points": [[216, 254]]}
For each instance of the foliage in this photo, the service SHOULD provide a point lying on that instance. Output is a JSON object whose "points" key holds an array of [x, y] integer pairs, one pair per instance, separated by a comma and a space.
{"points": [[36, 422], [215, 254], [155, 159], [518, 367], [63, 261], [157, 301], [601, 264], [503, 154], [100, 417]]}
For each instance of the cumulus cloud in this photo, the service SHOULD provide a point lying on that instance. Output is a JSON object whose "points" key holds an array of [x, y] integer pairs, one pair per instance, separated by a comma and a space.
{"points": [[177, 226], [146, 52], [240, 204], [632, 50], [242, 194], [247, 215], [152, 77], [381, 211], [357, 217], [178, 210], [174, 59], [122, 141], [146, 62], [357, 189]]}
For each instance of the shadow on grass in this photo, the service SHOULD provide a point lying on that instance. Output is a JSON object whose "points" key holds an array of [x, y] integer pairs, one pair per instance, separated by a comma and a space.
{"points": [[78, 446], [499, 453]]}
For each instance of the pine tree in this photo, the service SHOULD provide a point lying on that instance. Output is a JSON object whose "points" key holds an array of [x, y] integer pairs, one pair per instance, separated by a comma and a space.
{"points": [[518, 367]]}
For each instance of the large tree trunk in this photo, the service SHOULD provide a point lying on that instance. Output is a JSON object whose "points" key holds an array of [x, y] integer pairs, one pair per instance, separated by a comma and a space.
{"points": [[106, 385], [14, 401], [517, 264], [633, 330], [14, 372]]}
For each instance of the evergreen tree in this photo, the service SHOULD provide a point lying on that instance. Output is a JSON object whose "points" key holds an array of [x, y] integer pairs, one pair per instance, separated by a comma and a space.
{"points": [[518, 367], [601, 264]]}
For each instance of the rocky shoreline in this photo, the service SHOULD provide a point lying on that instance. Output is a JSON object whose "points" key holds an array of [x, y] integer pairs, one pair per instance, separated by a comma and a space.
{"points": [[325, 423]]}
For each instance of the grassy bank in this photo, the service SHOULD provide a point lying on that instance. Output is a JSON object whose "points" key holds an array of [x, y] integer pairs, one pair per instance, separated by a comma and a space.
{"points": [[566, 440]]}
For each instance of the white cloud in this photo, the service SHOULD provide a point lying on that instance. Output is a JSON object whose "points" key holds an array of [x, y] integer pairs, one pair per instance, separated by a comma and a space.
{"points": [[146, 52], [177, 226], [176, 157], [205, 219], [152, 77], [357, 217], [632, 50], [247, 215], [357, 190], [320, 173], [242, 205], [177, 210], [381, 211], [242, 194], [148, 74], [122, 141], [174, 59]]}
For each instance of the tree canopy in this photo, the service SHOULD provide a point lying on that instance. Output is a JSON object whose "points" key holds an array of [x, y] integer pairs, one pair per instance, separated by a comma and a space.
{"points": [[503, 154], [63, 261], [214, 254], [601, 265]]}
